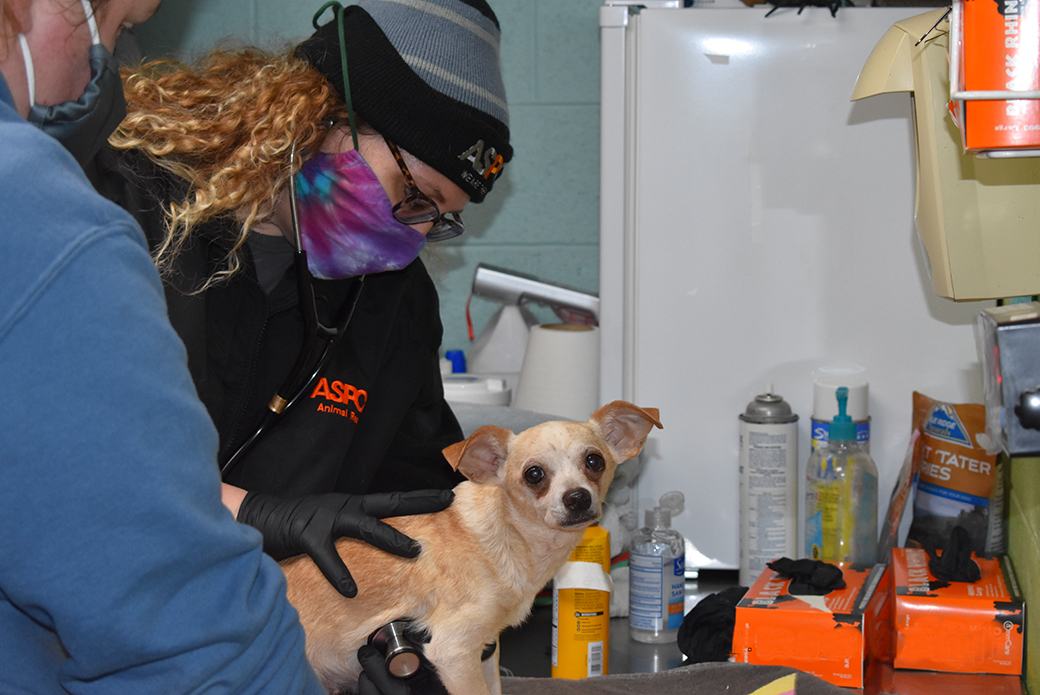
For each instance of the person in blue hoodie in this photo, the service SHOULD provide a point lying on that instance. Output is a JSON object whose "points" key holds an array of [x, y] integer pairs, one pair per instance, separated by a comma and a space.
{"points": [[122, 570]]}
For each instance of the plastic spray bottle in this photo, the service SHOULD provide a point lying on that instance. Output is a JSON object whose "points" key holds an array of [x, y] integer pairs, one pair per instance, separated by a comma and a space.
{"points": [[841, 495], [657, 574]]}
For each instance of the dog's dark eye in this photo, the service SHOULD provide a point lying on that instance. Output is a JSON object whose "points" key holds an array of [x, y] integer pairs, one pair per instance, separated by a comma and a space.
{"points": [[595, 462], [534, 475]]}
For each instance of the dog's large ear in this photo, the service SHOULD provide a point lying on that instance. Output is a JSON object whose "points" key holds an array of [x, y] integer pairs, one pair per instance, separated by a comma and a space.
{"points": [[625, 427], [480, 457]]}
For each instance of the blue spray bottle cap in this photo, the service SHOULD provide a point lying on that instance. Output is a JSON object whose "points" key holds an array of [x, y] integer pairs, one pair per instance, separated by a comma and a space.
{"points": [[458, 361], [841, 428]]}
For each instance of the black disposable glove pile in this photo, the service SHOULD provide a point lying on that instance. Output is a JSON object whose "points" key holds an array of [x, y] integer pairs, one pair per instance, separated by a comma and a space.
{"points": [[706, 633], [955, 563], [809, 577], [311, 525]]}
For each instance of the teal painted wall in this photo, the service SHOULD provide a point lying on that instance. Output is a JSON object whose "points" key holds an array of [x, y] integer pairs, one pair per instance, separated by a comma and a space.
{"points": [[543, 216]]}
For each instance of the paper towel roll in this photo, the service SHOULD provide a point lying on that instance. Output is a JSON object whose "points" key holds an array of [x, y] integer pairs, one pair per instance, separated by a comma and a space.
{"points": [[560, 375]]}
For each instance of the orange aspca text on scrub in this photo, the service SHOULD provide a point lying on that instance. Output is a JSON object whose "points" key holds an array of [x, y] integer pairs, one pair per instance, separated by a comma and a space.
{"points": [[339, 392]]}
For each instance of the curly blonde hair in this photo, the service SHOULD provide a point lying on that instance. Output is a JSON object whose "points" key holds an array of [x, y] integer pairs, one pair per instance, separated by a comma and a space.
{"points": [[226, 126]]}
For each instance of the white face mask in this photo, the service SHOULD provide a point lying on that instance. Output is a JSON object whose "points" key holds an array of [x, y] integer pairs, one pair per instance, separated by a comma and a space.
{"points": [[83, 125], [30, 74]]}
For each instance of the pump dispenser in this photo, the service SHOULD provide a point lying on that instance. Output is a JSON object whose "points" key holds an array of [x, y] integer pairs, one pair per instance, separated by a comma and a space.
{"points": [[841, 495], [657, 574], [841, 428]]}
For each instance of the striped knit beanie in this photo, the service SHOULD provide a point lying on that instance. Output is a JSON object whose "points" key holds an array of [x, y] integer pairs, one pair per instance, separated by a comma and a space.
{"points": [[425, 74]]}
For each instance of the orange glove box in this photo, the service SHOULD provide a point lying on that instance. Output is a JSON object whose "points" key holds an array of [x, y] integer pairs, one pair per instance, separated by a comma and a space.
{"points": [[821, 635], [964, 627]]}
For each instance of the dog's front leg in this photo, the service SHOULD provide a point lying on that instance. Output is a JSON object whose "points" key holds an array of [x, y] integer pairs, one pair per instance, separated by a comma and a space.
{"points": [[492, 674], [461, 670]]}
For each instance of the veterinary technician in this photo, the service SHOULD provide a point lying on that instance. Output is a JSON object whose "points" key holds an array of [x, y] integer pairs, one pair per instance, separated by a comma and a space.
{"points": [[286, 199], [122, 571]]}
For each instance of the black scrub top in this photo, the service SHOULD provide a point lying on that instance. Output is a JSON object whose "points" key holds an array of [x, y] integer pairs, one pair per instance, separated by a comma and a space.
{"points": [[373, 420]]}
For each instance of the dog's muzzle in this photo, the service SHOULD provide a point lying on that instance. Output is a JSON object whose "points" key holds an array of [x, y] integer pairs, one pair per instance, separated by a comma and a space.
{"points": [[578, 500], [579, 505]]}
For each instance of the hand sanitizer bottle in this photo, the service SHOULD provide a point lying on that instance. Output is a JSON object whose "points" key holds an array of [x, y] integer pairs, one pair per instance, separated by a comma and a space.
{"points": [[841, 495], [657, 574]]}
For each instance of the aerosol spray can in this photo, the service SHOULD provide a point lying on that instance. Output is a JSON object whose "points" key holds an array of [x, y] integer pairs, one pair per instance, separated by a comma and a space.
{"points": [[768, 484]]}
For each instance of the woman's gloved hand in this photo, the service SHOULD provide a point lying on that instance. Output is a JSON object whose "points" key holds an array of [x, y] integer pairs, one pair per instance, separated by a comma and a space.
{"points": [[311, 525], [376, 680]]}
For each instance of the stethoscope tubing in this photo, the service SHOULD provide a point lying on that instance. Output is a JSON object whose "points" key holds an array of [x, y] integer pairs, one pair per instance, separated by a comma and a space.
{"points": [[271, 415], [313, 331]]}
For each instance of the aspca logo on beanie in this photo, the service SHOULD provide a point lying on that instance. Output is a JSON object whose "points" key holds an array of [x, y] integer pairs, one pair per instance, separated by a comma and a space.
{"points": [[426, 75], [486, 164]]}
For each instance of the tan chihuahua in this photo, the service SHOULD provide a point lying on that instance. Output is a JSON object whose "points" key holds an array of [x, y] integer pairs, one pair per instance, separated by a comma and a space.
{"points": [[512, 525]]}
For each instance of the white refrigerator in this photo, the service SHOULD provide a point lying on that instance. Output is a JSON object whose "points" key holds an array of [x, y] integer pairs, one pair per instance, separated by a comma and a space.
{"points": [[757, 226]]}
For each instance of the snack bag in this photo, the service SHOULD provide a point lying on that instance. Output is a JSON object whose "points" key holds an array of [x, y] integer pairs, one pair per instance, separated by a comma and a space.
{"points": [[958, 483]]}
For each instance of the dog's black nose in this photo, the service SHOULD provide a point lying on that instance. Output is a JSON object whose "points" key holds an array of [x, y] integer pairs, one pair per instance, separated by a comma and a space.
{"points": [[577, 500]]}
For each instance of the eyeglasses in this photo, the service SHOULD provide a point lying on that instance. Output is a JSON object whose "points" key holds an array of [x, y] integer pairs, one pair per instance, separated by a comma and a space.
{"points": [[417, 207]]}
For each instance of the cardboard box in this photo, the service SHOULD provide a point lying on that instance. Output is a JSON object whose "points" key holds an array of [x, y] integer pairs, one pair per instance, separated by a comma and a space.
{"points": [[878, 620], [963, 627], [822, 635]]}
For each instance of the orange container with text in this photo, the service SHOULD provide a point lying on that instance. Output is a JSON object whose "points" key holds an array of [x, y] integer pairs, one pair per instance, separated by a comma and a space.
{"points": [[967, 627], [996, 48], [821, 635], [581, 609]]}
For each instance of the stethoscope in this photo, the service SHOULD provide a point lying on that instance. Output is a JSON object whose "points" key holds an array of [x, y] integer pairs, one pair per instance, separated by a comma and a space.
{"points": [[314, 330]]}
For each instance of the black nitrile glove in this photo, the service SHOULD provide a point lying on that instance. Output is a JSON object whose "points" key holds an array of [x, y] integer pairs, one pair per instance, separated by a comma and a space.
{"points": [[376, 680], [809, 577], [955, 563], [311, 525], [706, 632]]}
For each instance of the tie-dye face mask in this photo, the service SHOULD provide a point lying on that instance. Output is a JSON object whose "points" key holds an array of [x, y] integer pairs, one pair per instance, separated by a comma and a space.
{"points": [[346, 224]]}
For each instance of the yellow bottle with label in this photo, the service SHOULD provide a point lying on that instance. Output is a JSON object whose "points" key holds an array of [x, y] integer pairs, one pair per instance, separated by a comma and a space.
{"points": [[841, 496], [581, 609]]}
